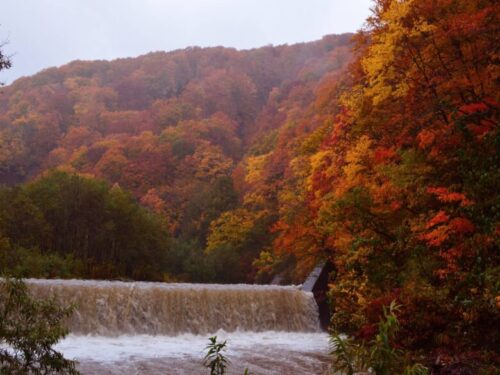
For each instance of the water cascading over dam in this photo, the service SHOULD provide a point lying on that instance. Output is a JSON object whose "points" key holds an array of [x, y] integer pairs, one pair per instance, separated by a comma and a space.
{"points": [[108, 308]]}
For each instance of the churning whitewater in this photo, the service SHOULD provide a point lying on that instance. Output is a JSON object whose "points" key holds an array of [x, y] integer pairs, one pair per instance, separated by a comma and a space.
{"points": [[111, 308], [149, 328], [267, 353]]}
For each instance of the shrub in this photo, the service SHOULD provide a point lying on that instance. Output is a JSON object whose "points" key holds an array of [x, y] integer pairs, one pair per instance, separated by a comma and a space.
{"points": [[29, 329], [379, 356]]}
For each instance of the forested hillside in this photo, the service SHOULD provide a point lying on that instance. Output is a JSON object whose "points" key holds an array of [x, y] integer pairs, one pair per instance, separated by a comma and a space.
{"points": [[380, 155], [183, 131], [398, 184]]}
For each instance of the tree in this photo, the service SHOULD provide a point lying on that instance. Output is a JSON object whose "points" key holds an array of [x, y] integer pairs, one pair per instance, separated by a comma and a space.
{"points": [[401, 192], [168, 127], [87, 220], [5, 62], [29, 329]]}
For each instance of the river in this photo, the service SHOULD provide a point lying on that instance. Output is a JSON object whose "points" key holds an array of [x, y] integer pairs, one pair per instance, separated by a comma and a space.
{"points": [[158, 328]]}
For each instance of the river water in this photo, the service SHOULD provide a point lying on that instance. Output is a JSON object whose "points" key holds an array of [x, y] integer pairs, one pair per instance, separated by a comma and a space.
{"points": [[262, 353], [158, 328]]}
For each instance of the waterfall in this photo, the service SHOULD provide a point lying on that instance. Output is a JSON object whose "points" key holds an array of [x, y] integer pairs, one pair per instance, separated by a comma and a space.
{"points": [[112, 308]]}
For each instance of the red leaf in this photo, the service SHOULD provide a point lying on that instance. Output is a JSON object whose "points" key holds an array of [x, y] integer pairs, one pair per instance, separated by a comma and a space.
{"points": [[383, 155], [439, 218], [473, 108], [425, 138], [444, 195], [461, 225]]}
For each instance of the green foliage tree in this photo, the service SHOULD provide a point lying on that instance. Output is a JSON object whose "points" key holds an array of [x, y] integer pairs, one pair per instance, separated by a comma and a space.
{"points": [[16, 261], [29, 329], [67, 217]]}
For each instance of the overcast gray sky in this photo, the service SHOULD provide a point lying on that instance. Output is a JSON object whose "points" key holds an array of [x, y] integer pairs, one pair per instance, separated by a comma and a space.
{"points": [[45, 33]]}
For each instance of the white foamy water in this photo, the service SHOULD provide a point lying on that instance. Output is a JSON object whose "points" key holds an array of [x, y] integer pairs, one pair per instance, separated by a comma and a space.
{"points": [[267, 353], [111, 308], [159, 328]]}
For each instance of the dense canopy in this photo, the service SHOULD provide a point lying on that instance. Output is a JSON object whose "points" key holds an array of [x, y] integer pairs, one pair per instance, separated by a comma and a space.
{"points": [[380, 155]]}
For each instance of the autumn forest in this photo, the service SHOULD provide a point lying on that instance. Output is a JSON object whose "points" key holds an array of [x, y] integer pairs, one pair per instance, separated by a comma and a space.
{"points": [[376, 151]]}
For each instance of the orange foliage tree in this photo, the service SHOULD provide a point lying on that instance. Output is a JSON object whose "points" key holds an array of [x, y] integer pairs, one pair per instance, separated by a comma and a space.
{"points": [[402, 190]]}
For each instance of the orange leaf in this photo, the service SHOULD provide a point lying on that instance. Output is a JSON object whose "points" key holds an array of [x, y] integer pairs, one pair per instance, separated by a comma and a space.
{"points": [[437, 236], [444, 195], [440, 218], [425, 138]]}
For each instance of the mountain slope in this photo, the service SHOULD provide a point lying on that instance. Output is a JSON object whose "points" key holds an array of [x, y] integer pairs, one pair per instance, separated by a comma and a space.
{"points": [[176, 129]]}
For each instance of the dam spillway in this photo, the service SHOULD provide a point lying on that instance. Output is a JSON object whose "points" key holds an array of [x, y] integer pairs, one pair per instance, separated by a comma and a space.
{"points": [[150, 328], [112, 308]]}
